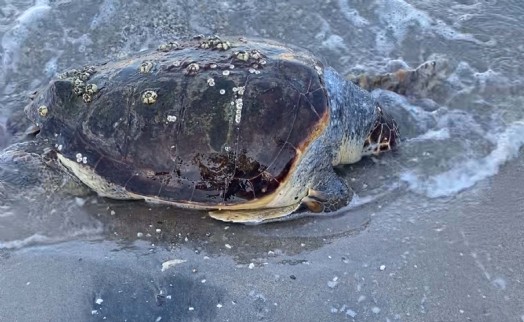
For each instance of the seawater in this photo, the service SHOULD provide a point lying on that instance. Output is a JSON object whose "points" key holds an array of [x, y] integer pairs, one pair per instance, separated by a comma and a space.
{"points": [[457, 134]]}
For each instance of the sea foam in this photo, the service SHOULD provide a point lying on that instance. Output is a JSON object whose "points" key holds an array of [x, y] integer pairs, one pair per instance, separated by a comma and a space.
{"points": [[466, 174]]}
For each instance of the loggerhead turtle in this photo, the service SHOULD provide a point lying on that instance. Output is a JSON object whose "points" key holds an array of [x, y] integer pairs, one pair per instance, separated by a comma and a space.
{"points": [[248, 129]]}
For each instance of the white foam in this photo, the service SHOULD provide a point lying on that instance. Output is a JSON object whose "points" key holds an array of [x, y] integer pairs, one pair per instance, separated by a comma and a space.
{"points": [[351, 14], [38, 239], [467, 174], [434, 135], [107, 10], [335, 43], [51, 67], [399, 16], [14, 38]]}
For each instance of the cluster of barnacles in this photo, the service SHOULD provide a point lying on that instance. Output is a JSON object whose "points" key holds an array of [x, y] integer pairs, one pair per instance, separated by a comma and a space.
{"points": [[254, 57], [79, 79], [214, 42], [172, 45]]}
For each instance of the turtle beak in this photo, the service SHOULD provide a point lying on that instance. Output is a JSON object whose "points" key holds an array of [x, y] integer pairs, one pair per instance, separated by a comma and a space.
{"points": [[384, 135]]}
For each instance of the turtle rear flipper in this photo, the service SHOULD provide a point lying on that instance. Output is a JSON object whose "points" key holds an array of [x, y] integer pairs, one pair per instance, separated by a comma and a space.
{"points": [[329, 195], [253, 216], [416, 81]]}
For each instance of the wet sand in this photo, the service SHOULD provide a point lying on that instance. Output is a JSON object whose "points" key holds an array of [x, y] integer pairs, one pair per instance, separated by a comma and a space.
{"points": [[435, 260]]}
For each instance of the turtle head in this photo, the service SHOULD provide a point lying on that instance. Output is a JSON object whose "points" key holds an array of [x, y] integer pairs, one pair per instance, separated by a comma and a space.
{"points": [[383, 136], [360, 126]]}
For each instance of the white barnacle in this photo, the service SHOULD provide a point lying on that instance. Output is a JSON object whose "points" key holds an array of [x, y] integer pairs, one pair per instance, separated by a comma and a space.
{"points": [[86, 97], [84, 76], [60, 147], [78, 90], [235, 89], [262, 62], [84, 160], [171, 118], [192, 69], [79, 157], [252, 70], [238, 113], [242, 55], [211, 82], [231, 66], [213, 66], [89, 69], [78, 82], [225, 73], [167, 47], [227, 148], [240, 90], [256, 54], [149, 97], [318, 69], [43, 110], [91, 88], [239, 104], [222, 91], [146, 67], [223, 45]]}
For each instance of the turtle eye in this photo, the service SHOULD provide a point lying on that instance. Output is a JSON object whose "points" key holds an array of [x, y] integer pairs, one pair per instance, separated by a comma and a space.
{"points": [[384, 135]]}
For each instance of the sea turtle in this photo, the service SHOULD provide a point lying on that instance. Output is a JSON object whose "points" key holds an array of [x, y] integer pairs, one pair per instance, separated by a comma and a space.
{"points": [[248, 129]]}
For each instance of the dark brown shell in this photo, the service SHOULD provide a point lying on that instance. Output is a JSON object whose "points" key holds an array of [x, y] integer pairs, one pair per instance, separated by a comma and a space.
{"points": [[204, 156]]}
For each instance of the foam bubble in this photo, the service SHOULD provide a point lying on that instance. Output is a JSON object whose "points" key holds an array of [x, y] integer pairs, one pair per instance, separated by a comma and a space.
{"points": [[467, 174]]}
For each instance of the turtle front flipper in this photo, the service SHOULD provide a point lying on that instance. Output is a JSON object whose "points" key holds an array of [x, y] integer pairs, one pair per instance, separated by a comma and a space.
{"points": [[329, 195], [405, 81], [26, 167], [253, 216]]}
